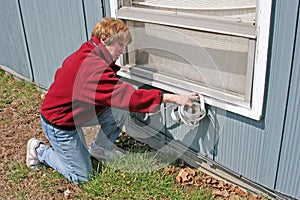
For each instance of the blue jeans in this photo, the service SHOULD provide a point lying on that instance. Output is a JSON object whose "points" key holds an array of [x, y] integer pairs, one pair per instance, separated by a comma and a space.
{"points": [[69, 153]]}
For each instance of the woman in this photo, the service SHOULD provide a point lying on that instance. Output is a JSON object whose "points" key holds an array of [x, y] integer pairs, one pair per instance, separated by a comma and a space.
{"points": [[85, 92]]}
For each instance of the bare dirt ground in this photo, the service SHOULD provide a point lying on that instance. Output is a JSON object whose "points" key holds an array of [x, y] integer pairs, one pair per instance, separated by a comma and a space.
{"points": [[18, 123]]}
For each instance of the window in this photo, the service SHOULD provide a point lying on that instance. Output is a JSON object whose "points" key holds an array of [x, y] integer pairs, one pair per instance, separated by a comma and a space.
{"points": [[217, 48]]}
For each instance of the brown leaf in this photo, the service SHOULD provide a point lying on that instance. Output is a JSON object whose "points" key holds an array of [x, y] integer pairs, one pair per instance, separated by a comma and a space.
{"points": [[185, 177], [190, 171], [214, 181], [230, 188], [170, 170], [42, 96], [191, 180], [219, 193], [208, 181], [198, 181], [239, 191], [182, 176], [178, 179], [67, 193], [221, 184], [179, 176]]}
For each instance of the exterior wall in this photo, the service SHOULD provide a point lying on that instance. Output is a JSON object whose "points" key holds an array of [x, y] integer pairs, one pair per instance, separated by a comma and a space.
{"points": [[37, 35], [253, 148], [40, 34], [13, 45], [288, 173], [53, 30]]}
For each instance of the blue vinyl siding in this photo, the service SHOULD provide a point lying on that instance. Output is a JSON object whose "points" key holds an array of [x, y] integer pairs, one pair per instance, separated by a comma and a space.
{"points": [[289, 165], [252, 148], [37, 35], [94, 11], [12, 40], [54, 29]]}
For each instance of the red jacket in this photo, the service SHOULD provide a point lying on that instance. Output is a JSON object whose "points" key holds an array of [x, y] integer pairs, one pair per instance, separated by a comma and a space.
{"points": [[87, 83]]}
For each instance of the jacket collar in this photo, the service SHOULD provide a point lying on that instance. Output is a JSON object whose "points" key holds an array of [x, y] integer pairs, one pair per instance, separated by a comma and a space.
{"points": [[101, 50]]}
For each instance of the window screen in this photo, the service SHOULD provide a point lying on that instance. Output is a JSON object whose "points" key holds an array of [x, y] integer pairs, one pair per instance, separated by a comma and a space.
{"points": [[205, 46]]}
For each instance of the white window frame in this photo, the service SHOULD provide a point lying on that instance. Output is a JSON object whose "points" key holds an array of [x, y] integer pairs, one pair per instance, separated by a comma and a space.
{"points": [[259, 70]]}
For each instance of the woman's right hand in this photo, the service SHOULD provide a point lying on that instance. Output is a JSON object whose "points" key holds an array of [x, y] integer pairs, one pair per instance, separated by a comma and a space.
{"points": [[186, 100]]}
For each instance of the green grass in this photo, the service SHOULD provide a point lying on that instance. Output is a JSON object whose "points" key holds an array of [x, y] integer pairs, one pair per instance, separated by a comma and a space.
{"points": [[13, 89], [25, 183], [112, 182], [18, 172], [136, 176]]}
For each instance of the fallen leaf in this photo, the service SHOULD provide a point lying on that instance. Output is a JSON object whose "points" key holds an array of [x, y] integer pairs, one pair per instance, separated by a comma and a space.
{"points": [[182, 176], [170, 170], [67, 193], [179, 176], [214, 181], [190, 171], [191, 181], [239, 191], [219, 193], [42, 96], [221, 184], [209, 180]]}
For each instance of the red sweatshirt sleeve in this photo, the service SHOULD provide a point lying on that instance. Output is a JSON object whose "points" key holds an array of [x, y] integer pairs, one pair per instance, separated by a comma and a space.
{"points": [[99, 85]]}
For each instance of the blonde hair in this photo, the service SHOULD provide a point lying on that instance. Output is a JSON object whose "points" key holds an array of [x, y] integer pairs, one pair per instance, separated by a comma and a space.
{"points": [[110, 29]]}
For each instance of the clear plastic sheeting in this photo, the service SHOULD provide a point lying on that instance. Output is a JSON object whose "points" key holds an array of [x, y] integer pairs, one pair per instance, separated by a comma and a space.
{"points": [[215, 61], [235, 10], [200, 4]]}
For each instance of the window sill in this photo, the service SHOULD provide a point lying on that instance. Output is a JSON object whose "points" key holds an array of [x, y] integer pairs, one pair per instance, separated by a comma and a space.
{"points": [[214, 98]]}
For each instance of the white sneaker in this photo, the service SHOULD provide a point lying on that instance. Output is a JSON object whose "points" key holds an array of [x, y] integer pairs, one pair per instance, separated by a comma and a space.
{"points": [[103, 154], [32, 160]]}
